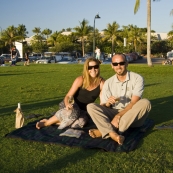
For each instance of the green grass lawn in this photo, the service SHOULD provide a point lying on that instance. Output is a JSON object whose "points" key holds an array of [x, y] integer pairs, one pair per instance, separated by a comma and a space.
{"points": [[39, 89]]}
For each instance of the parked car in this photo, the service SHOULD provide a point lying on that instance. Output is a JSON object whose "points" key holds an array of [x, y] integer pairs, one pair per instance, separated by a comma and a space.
{"points": [[58, 57], [34, 57], [45, 60], [170, 56], [7, 57], [107, 61], [67, 60], [1, 60], [102, 56]]}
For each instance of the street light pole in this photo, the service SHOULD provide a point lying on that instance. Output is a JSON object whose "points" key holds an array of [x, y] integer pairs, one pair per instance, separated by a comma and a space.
{"points": [[96, 17], [1, 31], [0, 39]]}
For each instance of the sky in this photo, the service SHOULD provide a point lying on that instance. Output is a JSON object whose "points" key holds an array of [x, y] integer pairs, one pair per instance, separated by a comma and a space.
{"points": [[62, 14]]}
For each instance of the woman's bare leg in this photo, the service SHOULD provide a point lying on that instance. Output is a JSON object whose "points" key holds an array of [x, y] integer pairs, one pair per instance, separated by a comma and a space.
{"points": [[45, 122], [95, 133]]}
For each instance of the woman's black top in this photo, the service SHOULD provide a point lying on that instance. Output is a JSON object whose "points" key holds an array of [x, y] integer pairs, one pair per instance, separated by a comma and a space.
{"points": [[14, 51], [83, 97]]}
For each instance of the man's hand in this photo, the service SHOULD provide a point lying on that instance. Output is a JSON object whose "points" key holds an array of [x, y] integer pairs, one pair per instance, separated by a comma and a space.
{"points": [[115, 121], [112, 100]]}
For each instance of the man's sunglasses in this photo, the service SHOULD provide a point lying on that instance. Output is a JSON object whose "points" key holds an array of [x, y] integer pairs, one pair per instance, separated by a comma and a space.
{"points": [[120, 63], [95, 67]]}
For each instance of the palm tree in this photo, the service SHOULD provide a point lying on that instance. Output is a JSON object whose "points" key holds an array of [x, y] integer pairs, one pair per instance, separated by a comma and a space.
{"points": [[37, 31], [82, 32], [9, 36], [47, 32], [111, 33], [135, 35], [22, 32], [53, 39], [171, 13], [68, 29], [137, 4]]}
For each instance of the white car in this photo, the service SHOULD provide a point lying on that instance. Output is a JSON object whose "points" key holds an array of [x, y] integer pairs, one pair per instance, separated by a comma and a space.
{"points": [[45, 60], [107, 61], [170, 56], [67, 60]]}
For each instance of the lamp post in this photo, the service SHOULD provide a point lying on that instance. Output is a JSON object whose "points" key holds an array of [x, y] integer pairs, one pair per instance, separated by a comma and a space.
{"points": [[96, 17], [0, 39]]}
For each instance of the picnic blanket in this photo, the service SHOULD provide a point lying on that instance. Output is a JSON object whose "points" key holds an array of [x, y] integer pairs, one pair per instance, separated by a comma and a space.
{"points": [[165, 127], [51, 134]]}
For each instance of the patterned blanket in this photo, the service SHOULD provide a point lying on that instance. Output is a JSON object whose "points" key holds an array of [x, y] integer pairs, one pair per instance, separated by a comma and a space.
{"points": [[51, 135]]}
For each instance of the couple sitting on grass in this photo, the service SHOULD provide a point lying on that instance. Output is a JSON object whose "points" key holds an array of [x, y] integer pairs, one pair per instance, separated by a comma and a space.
{"points": [[121, 104]]}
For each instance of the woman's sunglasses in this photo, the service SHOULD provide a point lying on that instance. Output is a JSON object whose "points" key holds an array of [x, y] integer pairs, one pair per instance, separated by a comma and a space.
{"points": [[120, 63], [95, 67]]}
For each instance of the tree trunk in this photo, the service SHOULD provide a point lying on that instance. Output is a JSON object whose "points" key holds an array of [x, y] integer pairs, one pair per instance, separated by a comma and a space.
{"points": [[149, 33], [83, 52], [112, 46]]}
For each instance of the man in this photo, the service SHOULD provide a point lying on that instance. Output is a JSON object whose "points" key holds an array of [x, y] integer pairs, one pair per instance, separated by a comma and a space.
{"points": [[13, 56], [122, 106]]}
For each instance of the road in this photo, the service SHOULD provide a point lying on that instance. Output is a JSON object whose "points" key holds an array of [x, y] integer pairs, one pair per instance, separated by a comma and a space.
{"points": [[154, 61]]}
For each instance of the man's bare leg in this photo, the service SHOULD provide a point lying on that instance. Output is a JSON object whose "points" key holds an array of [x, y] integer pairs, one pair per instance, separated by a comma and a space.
{"points": [[117, 138], [95, 133], [45, 122]]}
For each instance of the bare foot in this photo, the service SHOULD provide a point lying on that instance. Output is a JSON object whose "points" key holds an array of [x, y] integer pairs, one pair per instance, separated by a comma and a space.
{"points": [[95, 133], [40, 123], [118, 138]]}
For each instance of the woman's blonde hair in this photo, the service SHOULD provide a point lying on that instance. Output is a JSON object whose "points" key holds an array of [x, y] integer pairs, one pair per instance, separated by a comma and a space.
{"points": [[87, 79]]}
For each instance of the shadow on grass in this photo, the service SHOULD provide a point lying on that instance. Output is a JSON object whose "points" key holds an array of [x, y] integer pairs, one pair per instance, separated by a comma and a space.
{"points": [[14, 74], [152, 84], [162, 109], [65, 162], [32, 106]]}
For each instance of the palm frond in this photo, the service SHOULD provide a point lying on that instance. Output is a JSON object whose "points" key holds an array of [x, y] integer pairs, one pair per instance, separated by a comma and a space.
{"points": [[137, 5], [171, 13]]}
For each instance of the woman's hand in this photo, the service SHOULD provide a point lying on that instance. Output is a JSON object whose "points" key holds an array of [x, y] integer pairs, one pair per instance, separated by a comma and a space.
{"points": [[69, 106]]}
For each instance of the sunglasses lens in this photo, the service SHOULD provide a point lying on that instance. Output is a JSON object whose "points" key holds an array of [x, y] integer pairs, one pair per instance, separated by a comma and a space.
{"points": [[95, 67], [120, 63]]}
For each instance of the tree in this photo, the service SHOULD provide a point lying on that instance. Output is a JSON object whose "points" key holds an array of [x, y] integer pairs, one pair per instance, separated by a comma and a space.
{"points": [[53, 39], [135, 35], [46, 32], [37, 31], [37, 43], [69, 29], [9, 36], [171, 13], [137, 4], [82, 32], [22, 32], [111, 33]]}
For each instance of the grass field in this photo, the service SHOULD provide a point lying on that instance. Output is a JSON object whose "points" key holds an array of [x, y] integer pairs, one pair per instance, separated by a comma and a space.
{"points": [[39, 89]]}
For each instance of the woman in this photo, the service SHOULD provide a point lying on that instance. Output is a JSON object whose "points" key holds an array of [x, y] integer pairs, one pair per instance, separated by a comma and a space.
{"points": [[26, 58], [85, 89]]}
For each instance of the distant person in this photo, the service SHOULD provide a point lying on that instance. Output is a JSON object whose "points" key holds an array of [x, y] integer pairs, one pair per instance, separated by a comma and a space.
{"points": [[14, 53], [26, 58], [85, 89], [122, 104], [98, 53]]}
